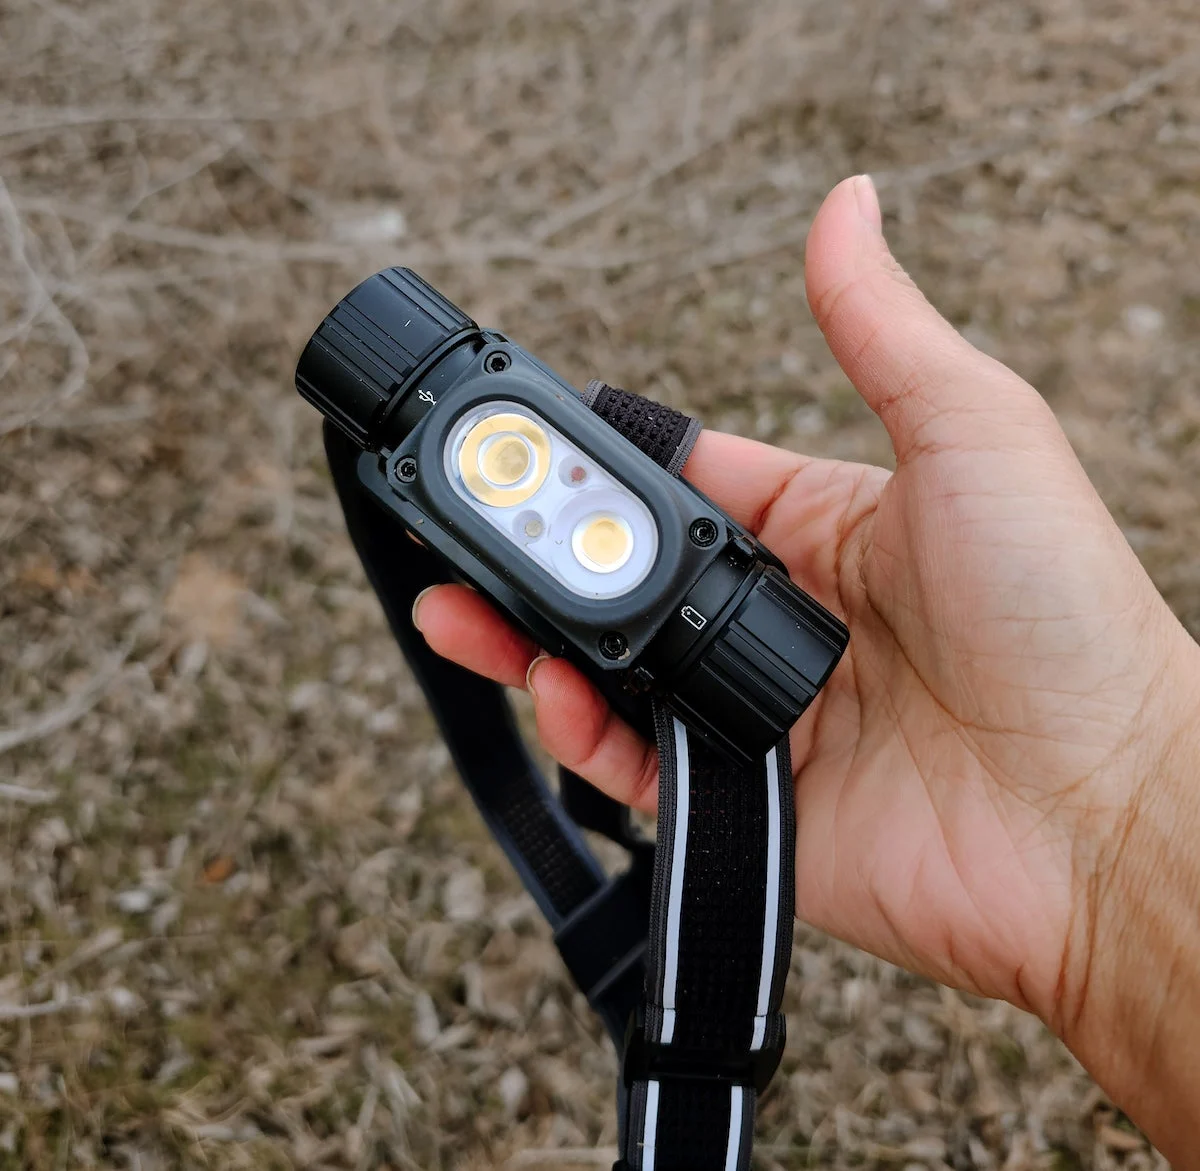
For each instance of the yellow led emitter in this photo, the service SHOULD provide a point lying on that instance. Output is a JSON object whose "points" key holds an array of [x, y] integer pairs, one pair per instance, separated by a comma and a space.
{"points": [[602, 542], [504, 459], [552, 501]]}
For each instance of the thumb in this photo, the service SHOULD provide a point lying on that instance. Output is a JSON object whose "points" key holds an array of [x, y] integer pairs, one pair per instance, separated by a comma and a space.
{"points": [[930, 387]]}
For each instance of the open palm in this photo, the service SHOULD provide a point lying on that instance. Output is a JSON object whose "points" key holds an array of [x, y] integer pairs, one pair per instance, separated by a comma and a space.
{"points": [[971, 755]]}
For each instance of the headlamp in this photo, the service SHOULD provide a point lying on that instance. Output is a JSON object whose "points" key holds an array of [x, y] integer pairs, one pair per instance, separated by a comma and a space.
{"points": [[603, 556], [567, 510]]}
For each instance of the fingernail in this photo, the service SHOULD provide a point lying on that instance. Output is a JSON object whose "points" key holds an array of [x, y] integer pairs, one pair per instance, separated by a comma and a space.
{"points": [[868, 202], [416, 621], [529, 674]]}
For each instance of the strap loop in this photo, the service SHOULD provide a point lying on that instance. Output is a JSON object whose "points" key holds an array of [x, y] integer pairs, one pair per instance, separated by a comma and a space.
{"points": [[645, 1061], [666, 435], [605, 938]]}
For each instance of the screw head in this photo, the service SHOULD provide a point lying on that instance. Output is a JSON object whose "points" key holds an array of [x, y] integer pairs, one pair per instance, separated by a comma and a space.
{"points": [[406, 470], [703, 532], [497, 362], [613, 645]]}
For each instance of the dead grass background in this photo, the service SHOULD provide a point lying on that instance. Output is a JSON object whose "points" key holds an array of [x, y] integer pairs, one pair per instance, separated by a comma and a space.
{"points": [[247, 917]]}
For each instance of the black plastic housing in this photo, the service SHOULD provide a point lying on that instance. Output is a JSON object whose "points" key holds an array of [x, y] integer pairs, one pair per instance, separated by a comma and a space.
{"points": [[373, 342], [716, 630]]}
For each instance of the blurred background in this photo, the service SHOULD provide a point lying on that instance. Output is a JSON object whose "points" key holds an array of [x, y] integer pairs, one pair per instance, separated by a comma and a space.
{"points": [[248, 918]]}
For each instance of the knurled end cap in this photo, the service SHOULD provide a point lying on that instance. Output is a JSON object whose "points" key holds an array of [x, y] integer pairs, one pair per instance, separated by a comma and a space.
{"points": [[765, 667], [370, 343]]}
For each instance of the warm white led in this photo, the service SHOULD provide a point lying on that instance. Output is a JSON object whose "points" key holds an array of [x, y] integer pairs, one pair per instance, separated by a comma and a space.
{"points": [[582, 525], [602, 542], [503, 458]]}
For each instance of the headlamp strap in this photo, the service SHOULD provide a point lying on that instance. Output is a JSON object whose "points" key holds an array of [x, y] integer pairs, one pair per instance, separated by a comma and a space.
{"points": [[599, 923], [709, 1033], [692, 1003]]}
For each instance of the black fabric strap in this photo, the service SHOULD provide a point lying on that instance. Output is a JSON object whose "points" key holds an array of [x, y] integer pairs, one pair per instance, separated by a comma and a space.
{"points": [[543, 843], [666, 435], [711, 1032], [683, 955]]}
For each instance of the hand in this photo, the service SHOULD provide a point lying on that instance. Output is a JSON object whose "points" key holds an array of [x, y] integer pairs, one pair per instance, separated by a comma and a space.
{"points": [[964, 782]]}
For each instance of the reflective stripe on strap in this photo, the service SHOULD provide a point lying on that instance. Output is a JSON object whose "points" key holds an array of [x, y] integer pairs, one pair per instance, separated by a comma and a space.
{"points": [[720, 938], [736, 1150]]}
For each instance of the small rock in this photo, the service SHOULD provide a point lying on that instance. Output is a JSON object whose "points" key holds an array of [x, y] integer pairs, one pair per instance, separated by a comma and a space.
{"points": [[305, 696], [50, 834], [124, 1002], [462, 896], [135, 901], [41, 892], [455, 1037], [172, 1068], [860, 998], [405, 808], [1143, 321], [808, 420], [426, 1025], [981, 1157], [921, 1034], [371, 226], [236, 883], [512, 1086], [9, 1084], [929, 1148], [792, 363], [383, 722], [472, 978], [356, 707], [176, 851], [164, 917], [191, 659]]}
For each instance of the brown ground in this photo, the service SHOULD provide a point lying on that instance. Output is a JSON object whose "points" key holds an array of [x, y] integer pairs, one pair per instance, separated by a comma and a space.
{"points": [[247, 918]]}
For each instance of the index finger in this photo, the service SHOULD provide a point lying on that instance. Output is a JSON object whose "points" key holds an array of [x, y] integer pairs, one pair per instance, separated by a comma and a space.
{"points": [[743, 476]]}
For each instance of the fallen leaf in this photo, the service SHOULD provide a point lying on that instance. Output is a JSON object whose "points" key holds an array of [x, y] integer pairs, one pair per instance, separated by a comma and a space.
{"points": [[1121, 1140], [80, 581], [206, 600], [218, 869], [41, 573]]}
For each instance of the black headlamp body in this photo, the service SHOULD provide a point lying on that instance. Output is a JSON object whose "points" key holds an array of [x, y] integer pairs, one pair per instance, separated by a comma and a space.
{"points": [[714, 628]]}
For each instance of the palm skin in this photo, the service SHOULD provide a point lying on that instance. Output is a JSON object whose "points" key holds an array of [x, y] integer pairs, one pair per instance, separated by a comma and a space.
{"points": [[942, 778], [964, 776]]}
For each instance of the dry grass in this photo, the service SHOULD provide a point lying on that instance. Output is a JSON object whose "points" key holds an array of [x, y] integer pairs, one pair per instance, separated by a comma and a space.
{"points": [[247, 917]]}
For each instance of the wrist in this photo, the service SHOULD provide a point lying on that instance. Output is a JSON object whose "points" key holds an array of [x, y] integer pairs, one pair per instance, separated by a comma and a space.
{"points": [[1128, 1002]]}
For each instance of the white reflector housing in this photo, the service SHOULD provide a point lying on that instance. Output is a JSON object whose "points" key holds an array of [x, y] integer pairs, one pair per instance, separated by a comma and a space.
{"points": [[552, 502]]}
